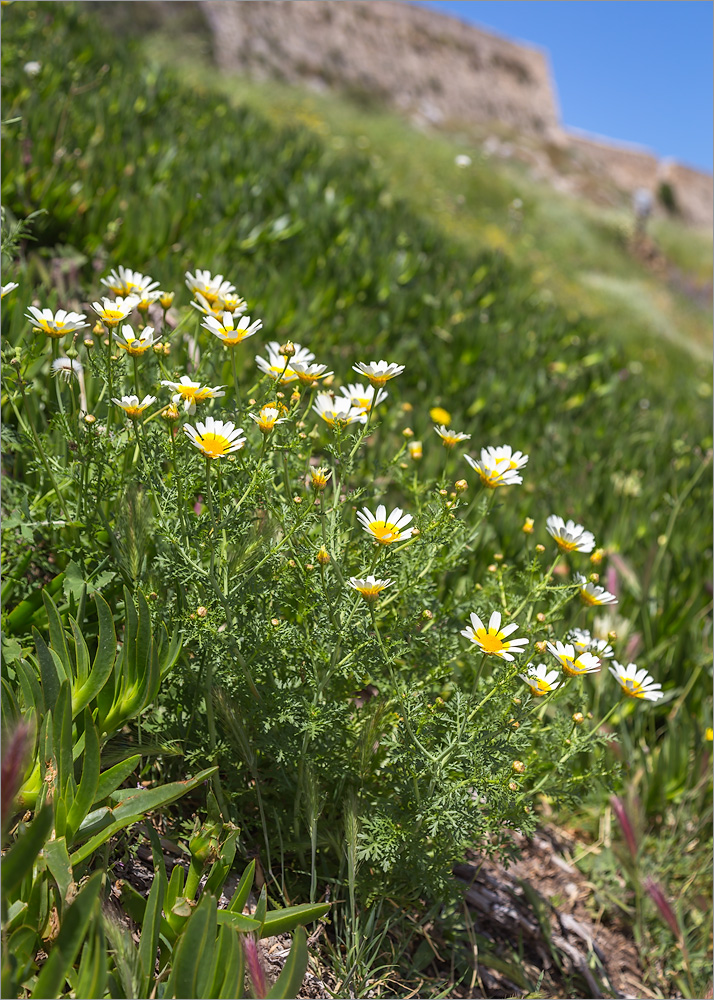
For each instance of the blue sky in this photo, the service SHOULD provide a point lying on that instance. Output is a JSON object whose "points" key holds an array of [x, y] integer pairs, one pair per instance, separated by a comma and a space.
{"points": [[638, 71]]}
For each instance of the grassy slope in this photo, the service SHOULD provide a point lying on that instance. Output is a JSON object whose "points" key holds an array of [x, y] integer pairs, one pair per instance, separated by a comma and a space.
{"points": [[577, 250]]}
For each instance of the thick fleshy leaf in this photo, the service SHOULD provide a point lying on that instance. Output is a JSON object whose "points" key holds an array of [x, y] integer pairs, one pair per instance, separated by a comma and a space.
{"points": [[18, 861], [281, 921], [290, 979]]}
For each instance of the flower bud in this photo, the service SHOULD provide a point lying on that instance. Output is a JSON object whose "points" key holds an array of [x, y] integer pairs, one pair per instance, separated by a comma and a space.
{"points": [[444, 493], [201, 611], [492, 568], [165, 300], [309, 567], [461, 485], [427, 615], [407, 407], [295, 398], [540, 548], [275, 622], [594, 578], [143, 306], [415, 450], [158, 347], [597, 557], [540, 616], [170, 413], [89, 418], [528, 526], [513, 786], [518, 766], [612, 636], [578, 718], [98, 328], [408, 432], [541, 646], [323, 556], [88, 343], [297, 499], [167, 350], [287, 350], [498, 556], [319, 479]]}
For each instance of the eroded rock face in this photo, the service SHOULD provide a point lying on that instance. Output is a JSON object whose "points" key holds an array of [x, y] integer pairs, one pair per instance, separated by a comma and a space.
{"points": [[415, 59]]}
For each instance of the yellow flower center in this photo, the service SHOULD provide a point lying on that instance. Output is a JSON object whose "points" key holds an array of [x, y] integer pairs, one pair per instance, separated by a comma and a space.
{"points": [[136, 346], [570, 666], [209, 295], [590, 599], [384, 531], [565, 545], [539, 687], [214, 445], [112, 317], [490, 479], [378, 380], [370, 593], [633, 687], [134, 412], [230, 339], [490, 642]]}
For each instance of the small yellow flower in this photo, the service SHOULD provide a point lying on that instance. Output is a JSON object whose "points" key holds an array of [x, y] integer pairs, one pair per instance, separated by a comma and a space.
{"points": [[166, 300], [415, 450], [527, 528], [440, 416], [709, 734]]}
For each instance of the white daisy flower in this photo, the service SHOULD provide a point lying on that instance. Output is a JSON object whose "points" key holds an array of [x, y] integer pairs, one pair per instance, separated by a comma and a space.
{"points": [[127, 282], [228, 331], [575, 665], [232, 303], [450, 438], [9, 287], [318, 478], [584, 642], [378, 372], [370, 588], [592, 595], [636, 683], [337, 411], [215, 438], [132, 344], [569, 536], [383, 529], [540, 680], [132, 407], [55, 324], [362, 395], [112, 312], [267, 419], [189, 392], [307, 373], [215, 309], [498, 466], [210, 287], [494, 640]]}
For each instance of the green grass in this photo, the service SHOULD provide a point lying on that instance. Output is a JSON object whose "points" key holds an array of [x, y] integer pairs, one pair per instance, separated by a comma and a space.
{"points": [[353, 233], [574, 246]]}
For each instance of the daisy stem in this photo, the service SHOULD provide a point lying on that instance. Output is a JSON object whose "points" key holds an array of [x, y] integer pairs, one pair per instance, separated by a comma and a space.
{"points": [[135, 359], [147, 473], [110, 377], [490, 694], [398, 690], [179, 486], [209, 495], [532, 594], [365, 427], [447, 449], [477, 676], [236, 389], [602, 721], [40, 450], [323, 526]]}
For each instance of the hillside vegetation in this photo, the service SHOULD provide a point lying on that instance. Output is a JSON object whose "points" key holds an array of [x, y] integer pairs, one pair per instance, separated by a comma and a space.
{"points": [[531, 325]]}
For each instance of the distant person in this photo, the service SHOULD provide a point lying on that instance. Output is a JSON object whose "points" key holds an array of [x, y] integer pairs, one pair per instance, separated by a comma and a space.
{"points": [[642, 204]]}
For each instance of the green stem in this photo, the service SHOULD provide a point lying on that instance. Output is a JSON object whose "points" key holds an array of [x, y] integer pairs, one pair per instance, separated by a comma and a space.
{"points": [[236, 389], [43, 457], [135, 359]]}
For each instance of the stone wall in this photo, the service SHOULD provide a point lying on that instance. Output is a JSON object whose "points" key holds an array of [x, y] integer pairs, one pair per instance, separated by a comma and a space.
{"points": [[419, 61], [435, 69]]}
